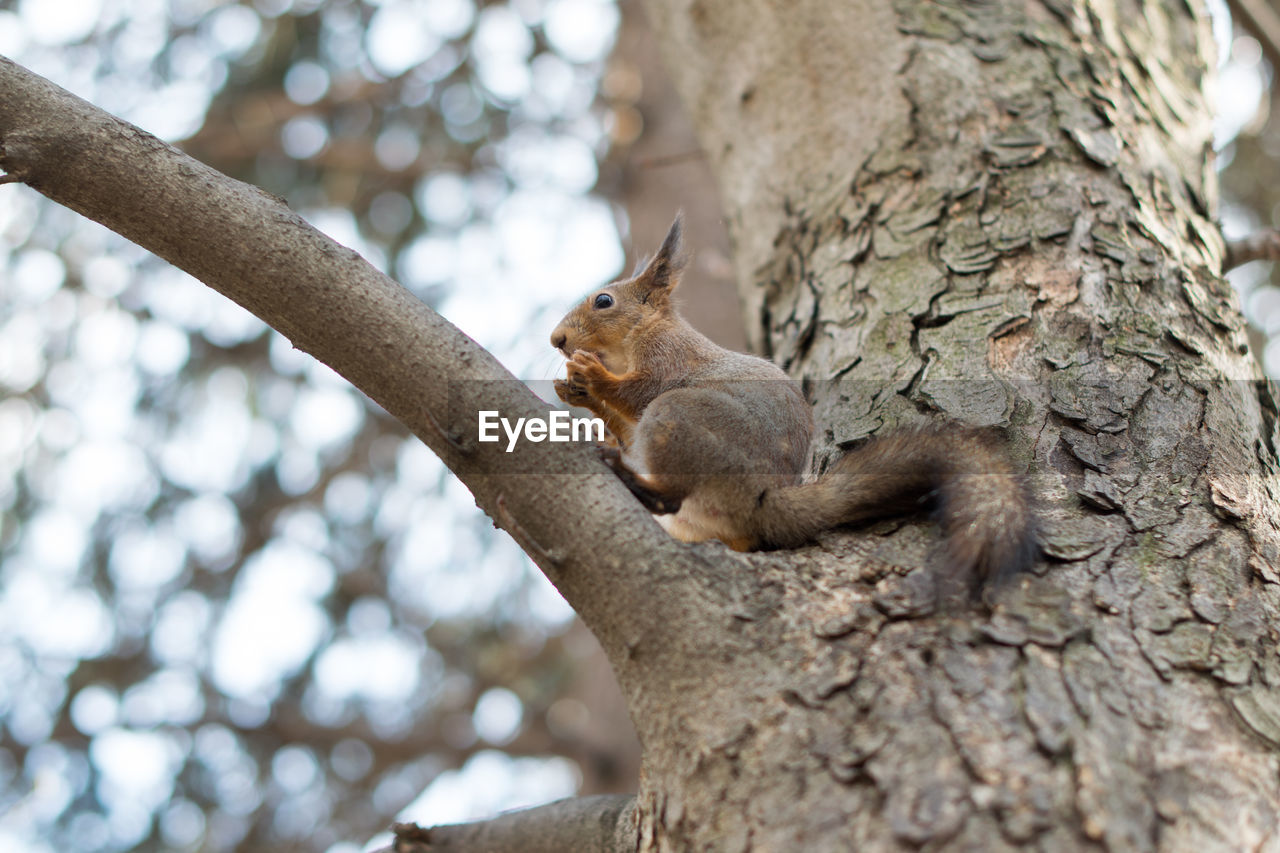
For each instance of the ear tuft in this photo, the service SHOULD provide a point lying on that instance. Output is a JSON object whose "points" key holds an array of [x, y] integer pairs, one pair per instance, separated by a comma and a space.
{"points": [[663, 271]]}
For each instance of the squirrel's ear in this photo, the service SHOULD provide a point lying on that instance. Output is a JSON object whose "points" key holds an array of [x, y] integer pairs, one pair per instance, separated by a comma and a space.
{"points": [[663, 271]]}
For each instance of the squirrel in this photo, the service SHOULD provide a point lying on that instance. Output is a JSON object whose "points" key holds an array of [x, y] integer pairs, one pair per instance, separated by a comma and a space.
{"points": [[716, 442]]}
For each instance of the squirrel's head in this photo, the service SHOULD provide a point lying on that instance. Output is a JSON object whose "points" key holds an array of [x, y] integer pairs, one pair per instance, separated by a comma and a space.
{"points": [[604, 322]]}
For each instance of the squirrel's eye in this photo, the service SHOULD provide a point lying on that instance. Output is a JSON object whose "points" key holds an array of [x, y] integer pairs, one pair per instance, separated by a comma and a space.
{"points": [[604, 300]]}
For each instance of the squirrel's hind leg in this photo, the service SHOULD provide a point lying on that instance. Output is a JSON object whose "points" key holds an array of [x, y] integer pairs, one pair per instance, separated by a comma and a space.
{"points": [[654, 500]]}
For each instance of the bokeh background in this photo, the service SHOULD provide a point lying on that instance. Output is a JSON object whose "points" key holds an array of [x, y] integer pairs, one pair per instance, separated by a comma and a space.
{"points": [[240, 607]]}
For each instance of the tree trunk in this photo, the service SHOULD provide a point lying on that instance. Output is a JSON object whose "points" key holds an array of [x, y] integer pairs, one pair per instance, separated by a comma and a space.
{"points": [[998, 213]]}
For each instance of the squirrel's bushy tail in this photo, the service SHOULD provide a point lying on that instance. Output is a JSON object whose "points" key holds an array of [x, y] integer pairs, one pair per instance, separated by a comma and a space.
{"points": [[962, 473]]}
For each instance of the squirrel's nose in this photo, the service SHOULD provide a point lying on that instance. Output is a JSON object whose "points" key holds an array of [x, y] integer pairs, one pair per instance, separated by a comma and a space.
{"points": [[558, 339]]}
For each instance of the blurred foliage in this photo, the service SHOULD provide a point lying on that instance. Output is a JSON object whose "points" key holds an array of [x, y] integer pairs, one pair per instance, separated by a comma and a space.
{"points": [[1250, 171], [239, 607]]}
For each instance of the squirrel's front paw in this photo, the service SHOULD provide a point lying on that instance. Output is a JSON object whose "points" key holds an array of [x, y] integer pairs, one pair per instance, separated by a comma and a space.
{"points": [[571, 393], [586, 368]]}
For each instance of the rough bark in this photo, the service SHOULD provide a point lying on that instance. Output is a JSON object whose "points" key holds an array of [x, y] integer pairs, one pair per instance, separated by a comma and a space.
{"points": [[1002, 214]]}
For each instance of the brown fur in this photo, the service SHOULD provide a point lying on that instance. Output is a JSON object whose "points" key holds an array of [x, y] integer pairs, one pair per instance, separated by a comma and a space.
{"points": [[717, 441]]}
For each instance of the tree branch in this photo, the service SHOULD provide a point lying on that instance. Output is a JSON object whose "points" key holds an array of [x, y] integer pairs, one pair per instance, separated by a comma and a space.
{"points": [[329, 302], [585, 825], [1260, 246]]}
